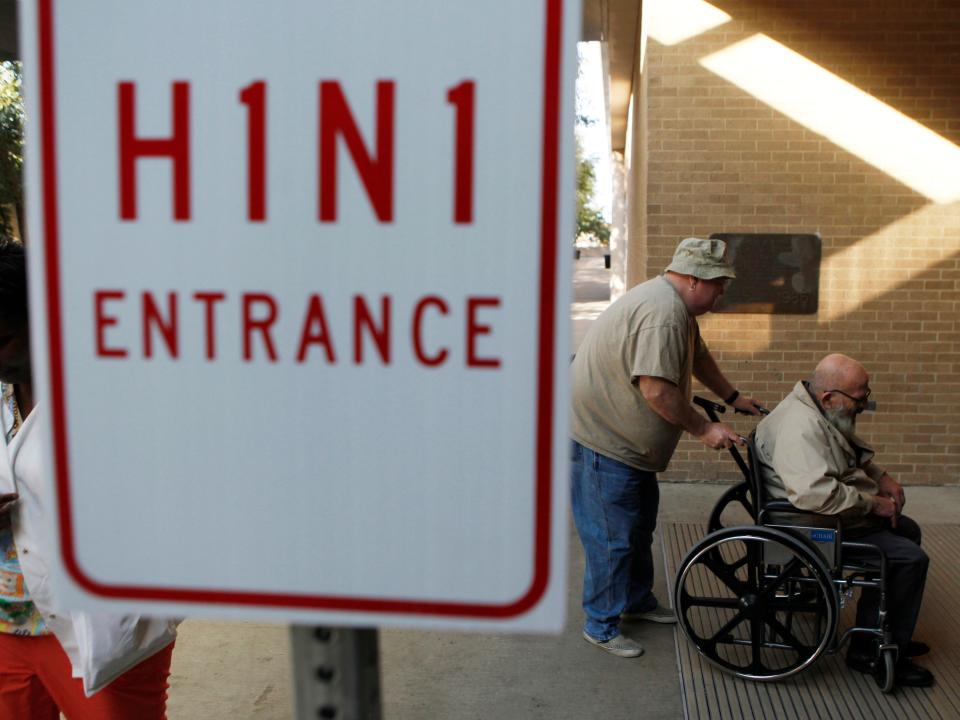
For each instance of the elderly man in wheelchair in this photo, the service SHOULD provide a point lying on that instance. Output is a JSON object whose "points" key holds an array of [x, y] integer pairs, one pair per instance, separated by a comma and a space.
{"points": [[808, 453], [763, 601]]}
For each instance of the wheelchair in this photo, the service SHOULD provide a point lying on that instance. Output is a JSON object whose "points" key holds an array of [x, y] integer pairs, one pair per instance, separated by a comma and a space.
{"points": [[763, 601]]}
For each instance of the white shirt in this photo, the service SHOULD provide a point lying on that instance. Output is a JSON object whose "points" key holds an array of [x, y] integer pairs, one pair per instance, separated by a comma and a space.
{"points": [[100, 646]]}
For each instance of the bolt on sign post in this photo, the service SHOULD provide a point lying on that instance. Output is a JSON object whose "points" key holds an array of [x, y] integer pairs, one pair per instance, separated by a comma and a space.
{"points": [[299, 284]]}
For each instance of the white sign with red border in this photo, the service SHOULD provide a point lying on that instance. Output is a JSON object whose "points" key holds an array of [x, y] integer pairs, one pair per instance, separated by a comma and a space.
{"points": [[299, 286]]}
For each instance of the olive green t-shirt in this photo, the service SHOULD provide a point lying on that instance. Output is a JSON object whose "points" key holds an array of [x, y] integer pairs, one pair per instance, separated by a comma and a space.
{"points": [[649, 332]]}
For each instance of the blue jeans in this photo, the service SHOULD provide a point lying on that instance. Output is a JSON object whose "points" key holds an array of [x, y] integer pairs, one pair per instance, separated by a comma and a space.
{"points": [[615, 511]]}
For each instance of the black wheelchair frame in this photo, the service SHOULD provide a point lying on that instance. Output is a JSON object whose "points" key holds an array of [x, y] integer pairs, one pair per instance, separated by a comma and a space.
{"points": [[762, 601]]}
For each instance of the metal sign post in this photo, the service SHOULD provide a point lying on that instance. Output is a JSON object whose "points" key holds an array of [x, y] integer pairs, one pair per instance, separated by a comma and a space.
{"points": [[336, 673]]}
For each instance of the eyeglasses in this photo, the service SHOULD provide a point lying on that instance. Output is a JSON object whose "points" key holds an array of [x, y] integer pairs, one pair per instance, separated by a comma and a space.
{"points": [[860, 401]]}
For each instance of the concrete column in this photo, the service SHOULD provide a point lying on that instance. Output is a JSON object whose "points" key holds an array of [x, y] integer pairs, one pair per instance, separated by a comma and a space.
{"points": [[619, 237], [635, 157]]}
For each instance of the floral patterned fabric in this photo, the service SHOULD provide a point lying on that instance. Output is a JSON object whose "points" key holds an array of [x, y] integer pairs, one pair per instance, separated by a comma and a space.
{"points": [[18, 615]]}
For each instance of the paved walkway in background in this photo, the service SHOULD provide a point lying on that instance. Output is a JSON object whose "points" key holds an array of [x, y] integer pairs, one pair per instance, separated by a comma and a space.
{"points": [[591, 292], [236, 671]]}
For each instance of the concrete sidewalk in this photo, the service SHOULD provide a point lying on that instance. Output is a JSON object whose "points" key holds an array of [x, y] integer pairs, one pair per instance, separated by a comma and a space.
{"points": [[237, 670], [234, 671]]}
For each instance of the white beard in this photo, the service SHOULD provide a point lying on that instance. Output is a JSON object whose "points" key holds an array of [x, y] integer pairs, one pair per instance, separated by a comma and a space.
{"points": [[845, 423]]}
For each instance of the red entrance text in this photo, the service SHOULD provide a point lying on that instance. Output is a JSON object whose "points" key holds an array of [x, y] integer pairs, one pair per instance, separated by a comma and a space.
{"points": [[371, 329]]}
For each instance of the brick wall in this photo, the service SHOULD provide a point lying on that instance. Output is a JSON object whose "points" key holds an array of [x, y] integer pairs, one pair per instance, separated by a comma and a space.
{"points": [[720, 160]]}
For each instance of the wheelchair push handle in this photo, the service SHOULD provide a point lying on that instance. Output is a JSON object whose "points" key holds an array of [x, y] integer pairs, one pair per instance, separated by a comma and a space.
{"points": [[758, 406], [709, 407], [712, 408]]}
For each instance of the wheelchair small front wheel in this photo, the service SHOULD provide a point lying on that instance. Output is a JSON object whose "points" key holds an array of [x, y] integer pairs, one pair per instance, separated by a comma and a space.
{"points": [[885, 674], [756, 602]]}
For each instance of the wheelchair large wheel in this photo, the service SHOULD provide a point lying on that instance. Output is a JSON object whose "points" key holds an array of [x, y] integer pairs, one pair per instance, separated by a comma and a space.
{"points": [[756, 602], [732, 504]]}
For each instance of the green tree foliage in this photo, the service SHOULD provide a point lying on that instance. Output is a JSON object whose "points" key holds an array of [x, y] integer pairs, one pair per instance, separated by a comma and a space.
{"points": [[11, 141], [589, 220]]}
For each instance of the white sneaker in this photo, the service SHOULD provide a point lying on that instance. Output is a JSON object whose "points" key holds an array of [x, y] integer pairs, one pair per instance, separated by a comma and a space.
{"points": [[659, 614], [617, 645]]}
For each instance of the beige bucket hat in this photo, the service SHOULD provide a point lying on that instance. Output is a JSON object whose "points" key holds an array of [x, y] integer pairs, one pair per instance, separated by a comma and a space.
{"points": [[704, 259]]}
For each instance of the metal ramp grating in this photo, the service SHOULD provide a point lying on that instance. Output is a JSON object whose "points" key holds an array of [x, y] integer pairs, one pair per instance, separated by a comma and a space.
{"points": [[828, 689]]}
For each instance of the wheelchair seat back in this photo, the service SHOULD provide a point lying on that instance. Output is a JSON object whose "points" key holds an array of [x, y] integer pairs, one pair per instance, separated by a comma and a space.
{"points": [[821, 532]]}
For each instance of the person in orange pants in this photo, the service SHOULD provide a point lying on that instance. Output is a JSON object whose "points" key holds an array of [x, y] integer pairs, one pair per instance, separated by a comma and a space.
{"points": [[90, 666], [36, 684]]}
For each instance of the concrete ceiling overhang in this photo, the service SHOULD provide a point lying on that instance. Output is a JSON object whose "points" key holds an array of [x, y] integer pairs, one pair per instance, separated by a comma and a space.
{"points": [[616, 23]]}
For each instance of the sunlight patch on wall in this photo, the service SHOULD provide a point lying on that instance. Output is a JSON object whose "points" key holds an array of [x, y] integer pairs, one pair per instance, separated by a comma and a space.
{"points": [[742, 335], [888, 258], [672, 21], [852, 119]]}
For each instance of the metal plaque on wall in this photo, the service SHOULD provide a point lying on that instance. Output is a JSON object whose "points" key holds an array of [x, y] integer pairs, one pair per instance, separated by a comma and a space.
{"points": [[777, 273]]}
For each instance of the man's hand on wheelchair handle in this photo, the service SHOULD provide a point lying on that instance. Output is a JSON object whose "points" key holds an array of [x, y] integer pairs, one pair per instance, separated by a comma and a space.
{"points": [[886, 508], [719, 436], [747, 405]]}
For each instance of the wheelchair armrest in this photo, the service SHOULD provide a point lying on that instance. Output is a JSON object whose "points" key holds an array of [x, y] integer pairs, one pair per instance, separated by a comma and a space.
{"points": [[781, 505]]}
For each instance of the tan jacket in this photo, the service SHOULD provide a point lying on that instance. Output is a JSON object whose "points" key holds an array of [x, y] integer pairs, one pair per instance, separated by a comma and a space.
{"points": [[806, 460]]}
